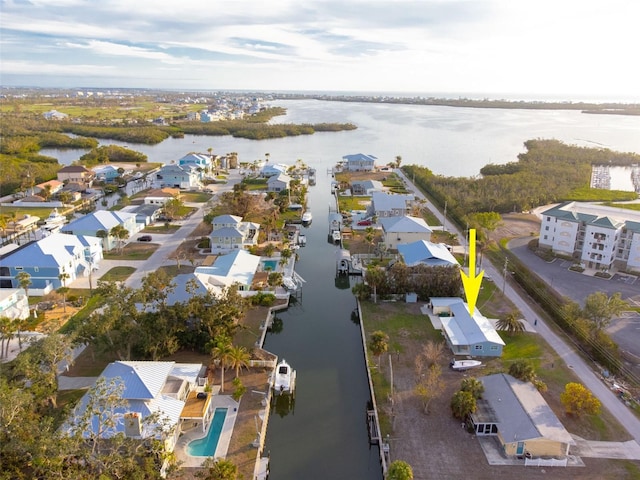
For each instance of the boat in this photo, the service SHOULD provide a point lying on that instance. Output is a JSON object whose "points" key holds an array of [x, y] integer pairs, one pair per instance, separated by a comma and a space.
{"points": [[312, 176], [307, 217], [335, 235], [54, 222], [302, 240], [462, 365], [284, 378]]}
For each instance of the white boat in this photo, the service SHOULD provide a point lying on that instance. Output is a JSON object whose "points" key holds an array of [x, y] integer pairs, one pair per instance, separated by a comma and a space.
{"points": [[54, 221], [284, 378], [302, 239], [335, 235], [307, 217], [462, 365]]}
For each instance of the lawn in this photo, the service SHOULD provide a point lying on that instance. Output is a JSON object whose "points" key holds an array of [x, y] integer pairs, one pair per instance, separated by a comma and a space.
{"points": [[132, 251], [195, 197], [117, 274]]}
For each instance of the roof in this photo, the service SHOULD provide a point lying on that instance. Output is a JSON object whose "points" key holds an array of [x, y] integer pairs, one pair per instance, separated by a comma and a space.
{"points": [[160, 193], [464, 329], [427, 253], [280, 177], [383, 201], [236, 267], [593, 214], [73, 169], [98, 220], [227, 219], [51, 251], [360, 157], [231, 232], [404, 224], [522, 412]]}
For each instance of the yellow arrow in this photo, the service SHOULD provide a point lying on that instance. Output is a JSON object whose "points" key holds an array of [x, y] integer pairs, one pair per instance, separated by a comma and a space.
{"points": [[470, 282]]}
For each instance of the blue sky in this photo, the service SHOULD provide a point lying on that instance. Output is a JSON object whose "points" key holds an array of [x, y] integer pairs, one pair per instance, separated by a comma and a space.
{"points": [[512, 47]]}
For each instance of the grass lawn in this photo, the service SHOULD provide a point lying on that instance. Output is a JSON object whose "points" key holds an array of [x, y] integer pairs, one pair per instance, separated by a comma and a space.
{"points": [[196, 197], [117, 274], [166, 228], [132, 251], [347, 203]]}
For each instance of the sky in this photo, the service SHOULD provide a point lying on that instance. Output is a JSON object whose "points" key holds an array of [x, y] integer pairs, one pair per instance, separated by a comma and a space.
{"points": [[573, 49]]}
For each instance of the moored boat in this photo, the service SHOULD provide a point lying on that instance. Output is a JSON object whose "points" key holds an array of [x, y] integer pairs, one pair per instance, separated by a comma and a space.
{"points": [[307, 217], [462, 365], [284, 378]]}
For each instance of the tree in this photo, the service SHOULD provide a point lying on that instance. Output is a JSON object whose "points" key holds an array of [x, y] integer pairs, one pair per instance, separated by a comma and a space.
{"points": [[239, 357], [24, 281], [463, 404], [398, 161], [222, 353], [484, 223], [577, 400], [378, 344], [63, 277], [429, 386], [510, 323], [399, 470], [432, 352], [220, 469], [472, 385], [523, 370], [369, 237], [121, 234], [600, 309]]}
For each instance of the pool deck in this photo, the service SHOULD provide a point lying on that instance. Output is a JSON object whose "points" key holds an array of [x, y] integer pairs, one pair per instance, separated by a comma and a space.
{"points": [[193, 433]]}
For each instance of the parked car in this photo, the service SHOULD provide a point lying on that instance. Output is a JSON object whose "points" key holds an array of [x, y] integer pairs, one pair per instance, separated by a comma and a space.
{"points": [[144, 238], [364, 223]]}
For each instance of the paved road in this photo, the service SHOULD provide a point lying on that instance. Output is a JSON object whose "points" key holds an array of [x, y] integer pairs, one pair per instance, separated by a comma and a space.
{"points": [[567, 354]]}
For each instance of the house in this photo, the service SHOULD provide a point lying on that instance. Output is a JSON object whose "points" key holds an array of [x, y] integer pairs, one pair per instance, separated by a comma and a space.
{"points": [[170, 393], [426, 253], [106, 173], [278, 183], [273, 169], [518, 416], [160, 196], [390, 204], [54, 186], [366, 187], [184, 177], [76, 174], [359, 162], [198, 160], [464, 333], [54, 115], [402, 230], [236, 268], [600, 237], [49, 258], [14, 303], [146, 214], [231, 233], [100, 223]]}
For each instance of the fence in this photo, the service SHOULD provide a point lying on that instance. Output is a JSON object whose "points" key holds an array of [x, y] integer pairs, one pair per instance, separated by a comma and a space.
{"points": [[545, 462]]}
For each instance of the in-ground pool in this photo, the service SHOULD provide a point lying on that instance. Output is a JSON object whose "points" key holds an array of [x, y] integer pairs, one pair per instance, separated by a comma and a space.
{"points": [[206, 446], [269, 265]]}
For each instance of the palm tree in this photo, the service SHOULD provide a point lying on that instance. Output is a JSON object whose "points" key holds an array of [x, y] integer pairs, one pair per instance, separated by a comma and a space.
{"points": [[24, 280], [379, 343], [222, 353], [510, 323], [239, 357], [121, 234], [63, 277]]}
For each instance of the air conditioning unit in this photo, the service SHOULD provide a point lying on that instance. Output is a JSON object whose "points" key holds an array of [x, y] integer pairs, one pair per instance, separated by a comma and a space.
{"points": [[132, 425]]}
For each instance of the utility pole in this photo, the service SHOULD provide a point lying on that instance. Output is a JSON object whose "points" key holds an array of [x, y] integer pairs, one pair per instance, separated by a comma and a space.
{"points": [[504, 274]]}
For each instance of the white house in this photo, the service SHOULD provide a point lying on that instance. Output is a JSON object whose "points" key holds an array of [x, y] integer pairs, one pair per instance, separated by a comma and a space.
{"points": [[177, 176], [271, 169], [464, 333], [231, 233], [236, 268], [403, 230], [359, 162], [159, 196], [103, 221], [278, 183], [427, 253], [599, 237], [385, 204]]}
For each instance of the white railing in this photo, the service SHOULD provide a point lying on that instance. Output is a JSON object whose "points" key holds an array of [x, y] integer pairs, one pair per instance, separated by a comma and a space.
{"points": [[545, 462]]}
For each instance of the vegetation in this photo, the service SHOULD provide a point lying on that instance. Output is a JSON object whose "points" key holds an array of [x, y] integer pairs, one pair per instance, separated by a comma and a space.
{"points": [[399, 470], [463, 404], [578, 400]]}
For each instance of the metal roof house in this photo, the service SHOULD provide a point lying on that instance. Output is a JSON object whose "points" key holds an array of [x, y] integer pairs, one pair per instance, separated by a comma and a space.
{"points": [[403, 230], [426, 253], [385, 204], [48, 258], [231, 233], [520, 418], [103, 220], [236, 268], [359, 162], [466, 334]]}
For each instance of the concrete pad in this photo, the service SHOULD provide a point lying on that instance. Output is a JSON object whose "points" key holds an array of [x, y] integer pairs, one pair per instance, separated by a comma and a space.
{"points": [[629, 450]]}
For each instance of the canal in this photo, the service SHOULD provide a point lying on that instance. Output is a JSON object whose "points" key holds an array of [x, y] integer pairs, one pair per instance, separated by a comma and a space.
{"points": [[325, 433]]}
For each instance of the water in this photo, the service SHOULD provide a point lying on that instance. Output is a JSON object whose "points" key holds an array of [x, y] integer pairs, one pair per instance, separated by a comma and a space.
{"points": [[326, 435], [206, 447], [450, 141], [270, 265]]}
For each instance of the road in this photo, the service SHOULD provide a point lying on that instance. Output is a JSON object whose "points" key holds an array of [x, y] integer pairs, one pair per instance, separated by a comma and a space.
{"points": [[526, 306]]}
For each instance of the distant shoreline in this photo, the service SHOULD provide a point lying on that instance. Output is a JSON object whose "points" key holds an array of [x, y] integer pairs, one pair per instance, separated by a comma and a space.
{"points": [[607, 108]]}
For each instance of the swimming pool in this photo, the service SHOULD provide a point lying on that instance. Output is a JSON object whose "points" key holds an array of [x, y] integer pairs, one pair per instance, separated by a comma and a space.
{"points": [[269, 265], [206, 447]]}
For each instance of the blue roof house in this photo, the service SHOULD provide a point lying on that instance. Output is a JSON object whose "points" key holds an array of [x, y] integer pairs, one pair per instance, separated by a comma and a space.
{"points": [[359, 162], [402, 230], [179, 176], [426, 253], [199, 160], [466, 334], [103, 220], [50, 257]]}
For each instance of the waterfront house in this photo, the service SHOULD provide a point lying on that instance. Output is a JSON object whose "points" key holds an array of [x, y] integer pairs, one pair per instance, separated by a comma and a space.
{"points": [[106, 173], [170, 393], [76, 174], [359, 162], [519, 417], [466, 334], [385, 204], [103, 221], [273, 169], [599, 237], [231, 233], [54, 187], [426, 253], [366, 187], [236, 268], [14, 303], [278, 183], [199, 160], [48, 258], [402, 230], [160, 196], [184, 177]]}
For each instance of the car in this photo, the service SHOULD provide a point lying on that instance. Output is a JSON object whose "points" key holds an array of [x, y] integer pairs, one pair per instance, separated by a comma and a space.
{"points": [[144, 238], [364, 223]]}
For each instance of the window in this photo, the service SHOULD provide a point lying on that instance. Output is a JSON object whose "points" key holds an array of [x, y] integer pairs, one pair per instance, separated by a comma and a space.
{"points": [[19, 268], [494, 347], [36, 269], [478, 347]]}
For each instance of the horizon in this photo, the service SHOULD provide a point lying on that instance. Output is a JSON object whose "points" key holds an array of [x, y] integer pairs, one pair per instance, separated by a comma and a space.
{"points": [[527, 49]]}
